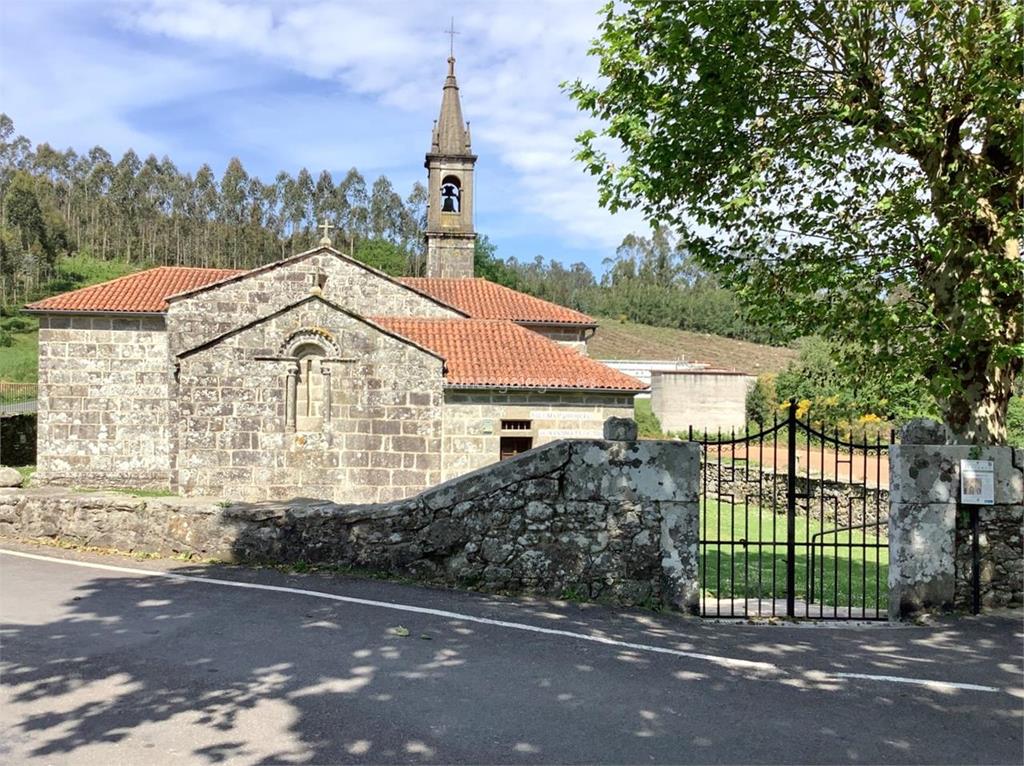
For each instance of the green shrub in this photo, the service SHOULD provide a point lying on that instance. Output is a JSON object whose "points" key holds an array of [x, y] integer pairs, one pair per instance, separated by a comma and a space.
{"points": [[844, 387], [762, 399], [1015, 422], [16, 324], [6, 339], [647, 423]]}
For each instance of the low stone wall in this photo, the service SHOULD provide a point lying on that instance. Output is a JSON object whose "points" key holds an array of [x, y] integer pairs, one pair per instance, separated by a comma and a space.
{"points": [[929, 530], [1001, 557], [840, 503], [18, 439], [609, 520]]}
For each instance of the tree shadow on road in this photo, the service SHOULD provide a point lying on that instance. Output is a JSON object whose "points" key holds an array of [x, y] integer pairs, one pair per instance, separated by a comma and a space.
{"points": [[216, 674]]}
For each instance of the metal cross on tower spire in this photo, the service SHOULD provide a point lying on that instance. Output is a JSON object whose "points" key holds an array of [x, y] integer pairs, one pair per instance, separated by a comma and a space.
{"points": [[451, 38]]}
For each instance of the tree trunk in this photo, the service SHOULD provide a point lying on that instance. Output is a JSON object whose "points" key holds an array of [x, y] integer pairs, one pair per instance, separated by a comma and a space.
{"points": [[976, 412]]}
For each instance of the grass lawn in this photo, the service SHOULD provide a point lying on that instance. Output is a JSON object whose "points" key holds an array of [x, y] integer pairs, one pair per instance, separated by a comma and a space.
{"points": [[19, 361], [646, 421], [731, 570]]}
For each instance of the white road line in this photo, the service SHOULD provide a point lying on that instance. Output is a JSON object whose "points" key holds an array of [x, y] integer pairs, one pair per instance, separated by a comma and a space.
{"points": [[728, 662], [724, 661], [919, 682]]}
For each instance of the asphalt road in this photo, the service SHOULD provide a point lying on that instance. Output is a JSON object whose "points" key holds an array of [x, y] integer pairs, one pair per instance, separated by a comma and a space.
{"points": [[111, 667]]}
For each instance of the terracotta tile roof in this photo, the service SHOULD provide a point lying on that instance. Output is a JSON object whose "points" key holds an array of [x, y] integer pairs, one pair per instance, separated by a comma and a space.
{"points": [[494, 352], [482, 299], [143, 292]]}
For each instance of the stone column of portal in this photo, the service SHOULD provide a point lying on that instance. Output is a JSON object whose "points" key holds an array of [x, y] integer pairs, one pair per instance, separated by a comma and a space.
{"points": [[925, 515], [326, 372], [291, 396]]}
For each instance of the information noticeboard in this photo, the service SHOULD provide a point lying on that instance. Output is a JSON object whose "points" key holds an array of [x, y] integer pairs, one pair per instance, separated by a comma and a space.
{"points": [[977, 482]]}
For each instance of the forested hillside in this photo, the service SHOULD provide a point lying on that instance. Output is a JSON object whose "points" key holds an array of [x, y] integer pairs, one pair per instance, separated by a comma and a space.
{"points": [[70, 219], [143, 212], [148, 212], [648, 280]]}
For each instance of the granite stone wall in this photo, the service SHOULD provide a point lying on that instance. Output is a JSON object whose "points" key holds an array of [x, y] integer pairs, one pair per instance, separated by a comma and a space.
{"points": [[1001, 549], [375, 433], [840, 503], [568, 336], [610, 520], [198, 318], [929, 540], [104, 409], [472, 430]]}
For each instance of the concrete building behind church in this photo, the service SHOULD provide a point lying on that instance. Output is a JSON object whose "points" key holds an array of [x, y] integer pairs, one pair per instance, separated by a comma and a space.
{"points": [[316, 375]]}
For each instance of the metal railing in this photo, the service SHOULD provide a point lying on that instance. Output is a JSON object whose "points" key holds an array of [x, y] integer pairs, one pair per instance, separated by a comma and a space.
{"points": [[812, 570], [18, 397]]}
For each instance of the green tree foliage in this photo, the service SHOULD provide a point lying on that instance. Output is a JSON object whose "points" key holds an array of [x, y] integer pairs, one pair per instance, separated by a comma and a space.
{"points": [[142, 212], [763, 400], [1015, 422], [382, 254], [854, 165], [486, 264], [648, 280], [827, 392], [139, 212]]}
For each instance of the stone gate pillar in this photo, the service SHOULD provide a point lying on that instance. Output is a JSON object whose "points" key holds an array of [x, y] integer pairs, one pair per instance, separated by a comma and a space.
{"points": [[930, 564]]}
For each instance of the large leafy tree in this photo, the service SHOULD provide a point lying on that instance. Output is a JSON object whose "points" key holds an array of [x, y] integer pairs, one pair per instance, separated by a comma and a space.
{"points": [[852, 165]]}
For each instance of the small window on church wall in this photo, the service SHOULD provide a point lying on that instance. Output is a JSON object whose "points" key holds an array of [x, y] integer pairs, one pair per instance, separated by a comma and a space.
{"points": [[310, 393], [511, 446], [451, 195]]}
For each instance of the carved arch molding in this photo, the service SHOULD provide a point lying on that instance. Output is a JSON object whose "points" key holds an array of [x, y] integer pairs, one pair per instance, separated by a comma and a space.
{"points": [[308, 384]]}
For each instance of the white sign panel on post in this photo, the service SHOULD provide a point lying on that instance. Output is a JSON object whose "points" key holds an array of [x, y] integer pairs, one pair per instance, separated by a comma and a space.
{"points": [[977, 482]]}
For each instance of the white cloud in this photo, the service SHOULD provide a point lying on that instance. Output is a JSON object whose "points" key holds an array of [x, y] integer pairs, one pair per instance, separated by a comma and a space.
{"points": [[512, 57], [110, 62]]}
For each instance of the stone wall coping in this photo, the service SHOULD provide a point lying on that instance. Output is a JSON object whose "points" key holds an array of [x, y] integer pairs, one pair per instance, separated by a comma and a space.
{"points": [[254, 511], [543, 461]]}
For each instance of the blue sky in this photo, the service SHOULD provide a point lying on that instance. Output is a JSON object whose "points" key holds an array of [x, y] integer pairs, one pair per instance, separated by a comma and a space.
{"points": [[324, 85]]}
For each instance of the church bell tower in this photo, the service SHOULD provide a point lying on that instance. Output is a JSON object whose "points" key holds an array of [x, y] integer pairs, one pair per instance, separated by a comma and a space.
{"points": [[450, 236]]}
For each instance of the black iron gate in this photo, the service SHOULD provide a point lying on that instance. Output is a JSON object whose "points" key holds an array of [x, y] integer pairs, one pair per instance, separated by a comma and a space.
{"points": [[794, 522]]}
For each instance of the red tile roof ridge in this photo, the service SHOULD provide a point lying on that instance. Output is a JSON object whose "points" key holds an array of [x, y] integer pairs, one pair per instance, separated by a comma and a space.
{"points": [[141, 292], [484, 299], [498, 353]]}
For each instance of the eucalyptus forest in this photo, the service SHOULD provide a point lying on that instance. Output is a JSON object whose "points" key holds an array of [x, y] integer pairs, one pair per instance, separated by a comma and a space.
{"points": [[131, 213]]}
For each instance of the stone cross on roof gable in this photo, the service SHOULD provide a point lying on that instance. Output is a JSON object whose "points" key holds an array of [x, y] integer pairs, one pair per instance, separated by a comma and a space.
{"points": [[326, 226]]}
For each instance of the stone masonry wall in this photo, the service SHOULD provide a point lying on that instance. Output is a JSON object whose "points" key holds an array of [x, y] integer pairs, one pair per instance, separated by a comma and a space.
{"points": [[104, 411], [1001, 555], [929, 540], [199, 318], [472, 421], [841, 503], [601, 519], [570, 337], [381, 441]]}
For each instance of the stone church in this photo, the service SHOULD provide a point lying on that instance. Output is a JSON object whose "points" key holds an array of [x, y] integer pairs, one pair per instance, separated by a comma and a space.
{"points": [[316, 375]]}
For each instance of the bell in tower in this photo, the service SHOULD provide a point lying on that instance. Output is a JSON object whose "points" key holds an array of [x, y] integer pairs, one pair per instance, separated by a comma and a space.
{"points": [[450, 164]]}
